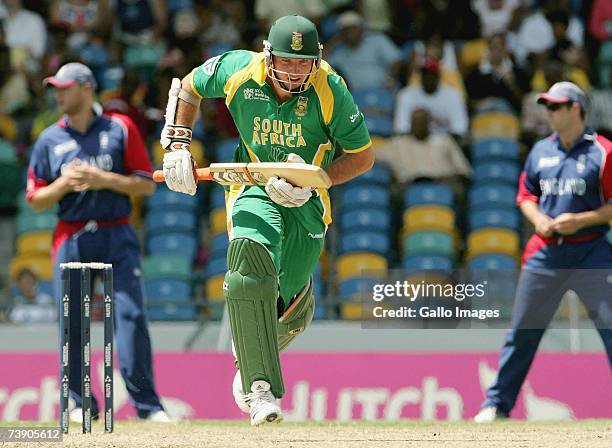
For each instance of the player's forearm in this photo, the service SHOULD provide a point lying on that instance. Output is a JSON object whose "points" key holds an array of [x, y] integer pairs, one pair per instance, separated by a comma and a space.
{"points": [[129, 185], [531, 211], [348, 166], [46, 197], [602, 215], [185, 112]]}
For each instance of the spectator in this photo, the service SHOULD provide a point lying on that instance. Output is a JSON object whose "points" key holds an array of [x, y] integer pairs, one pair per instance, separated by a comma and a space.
{"points": [[124, 103], [267, 11], [455, 18], [445, 105], [79, 17], [497, 78], [534, 118], [600, 23], [536, 34], [223, 22], [365, 59], [435, 47], [495, 15], [425, 154], [33, 42], [14, 93], [138, 21], [31, 306]]}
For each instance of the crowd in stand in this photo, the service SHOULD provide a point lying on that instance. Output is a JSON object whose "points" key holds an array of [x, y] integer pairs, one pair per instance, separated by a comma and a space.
{"points": [[441, 63]]}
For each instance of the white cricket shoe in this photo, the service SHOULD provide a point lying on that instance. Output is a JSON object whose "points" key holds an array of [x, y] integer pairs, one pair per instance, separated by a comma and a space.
{"points": [[264, 407], [159, 416], [489, 414], [239, 396]]}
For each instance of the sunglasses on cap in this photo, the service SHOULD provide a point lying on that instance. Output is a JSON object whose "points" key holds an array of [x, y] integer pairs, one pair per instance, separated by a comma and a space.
{"points": [[556, 106]]}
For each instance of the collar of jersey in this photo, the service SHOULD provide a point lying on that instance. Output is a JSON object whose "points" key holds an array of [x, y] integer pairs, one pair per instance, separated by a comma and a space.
{"points": [[259, 71], [98, 111], [589, 135]]}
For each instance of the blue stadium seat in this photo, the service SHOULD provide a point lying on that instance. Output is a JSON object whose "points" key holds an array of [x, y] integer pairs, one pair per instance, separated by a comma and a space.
{"points": [[374, 100], [380, 174], [379, 125], [429, 243], [492, 262], [156, 267], [216, 265], [199, 132], [165, 199], [366, 219], [170, 221], [427, 263], [487, 197], [172, 312], [361, 196], [219, 243], [45, 287], [356, 285], [506, 218], [169, 290], [428, 193], [495, 149], [184, 244], [496, 171], [225, 150], [378, 242], [217, 197]]}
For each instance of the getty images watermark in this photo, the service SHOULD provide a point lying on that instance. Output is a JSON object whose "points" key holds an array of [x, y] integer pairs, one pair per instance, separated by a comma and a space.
{"points": [[433, 299], [423, 290]]}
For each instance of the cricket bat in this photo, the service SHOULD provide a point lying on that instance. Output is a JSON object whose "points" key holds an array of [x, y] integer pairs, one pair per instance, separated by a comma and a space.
{"points": [[297, 174]]}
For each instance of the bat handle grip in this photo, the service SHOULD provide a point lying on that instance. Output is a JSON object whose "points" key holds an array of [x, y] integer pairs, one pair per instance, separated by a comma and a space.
{"points": [[201, 174]]}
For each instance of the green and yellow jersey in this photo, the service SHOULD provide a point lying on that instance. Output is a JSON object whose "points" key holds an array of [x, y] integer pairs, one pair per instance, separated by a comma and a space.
{"points": [[310, 124]]}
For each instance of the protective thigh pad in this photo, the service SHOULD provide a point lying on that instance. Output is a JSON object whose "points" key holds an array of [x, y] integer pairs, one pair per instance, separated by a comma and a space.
{"points": [[251, 290], [296, 318]]}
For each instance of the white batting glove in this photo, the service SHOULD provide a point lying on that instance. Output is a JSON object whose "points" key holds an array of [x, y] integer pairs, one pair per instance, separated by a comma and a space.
{"points": [[179, 171], [285, 194]]}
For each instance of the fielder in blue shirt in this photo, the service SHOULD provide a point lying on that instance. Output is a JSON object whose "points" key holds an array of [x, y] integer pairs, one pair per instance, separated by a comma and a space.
{"points": [[89, 162], [565, 191]]}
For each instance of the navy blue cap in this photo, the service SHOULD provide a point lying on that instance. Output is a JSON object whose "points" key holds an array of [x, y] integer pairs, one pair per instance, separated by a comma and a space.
{"points": [[71, 73], [563, 92]]}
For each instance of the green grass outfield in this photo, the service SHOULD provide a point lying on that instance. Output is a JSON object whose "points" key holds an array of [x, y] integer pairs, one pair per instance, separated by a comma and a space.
{"points": [[239, 434]]}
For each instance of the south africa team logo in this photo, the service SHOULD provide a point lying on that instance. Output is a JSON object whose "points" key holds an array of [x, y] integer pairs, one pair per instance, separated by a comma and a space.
{"points": [[296, 41], [300, 107]]}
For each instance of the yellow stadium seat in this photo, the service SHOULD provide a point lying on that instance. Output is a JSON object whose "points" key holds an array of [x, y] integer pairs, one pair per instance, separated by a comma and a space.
{"points": [[214, 288], [353, 265], [8, 127], [35, 243], [472, 53], [350, 311], [218, 221], [429, 217], [429, 278], [495, 124], [491, 240], [196, 148], [39, 264]]}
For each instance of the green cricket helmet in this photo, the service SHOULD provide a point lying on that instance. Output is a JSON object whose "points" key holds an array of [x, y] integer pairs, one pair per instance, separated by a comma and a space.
{"points": [[293, 37]]}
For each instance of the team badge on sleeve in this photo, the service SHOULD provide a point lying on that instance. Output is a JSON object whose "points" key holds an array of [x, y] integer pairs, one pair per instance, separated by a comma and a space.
{"points": [[296, 41]]}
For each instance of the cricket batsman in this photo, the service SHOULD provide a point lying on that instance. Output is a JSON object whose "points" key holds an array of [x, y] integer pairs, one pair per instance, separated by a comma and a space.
{"points": [[288, 105]]}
